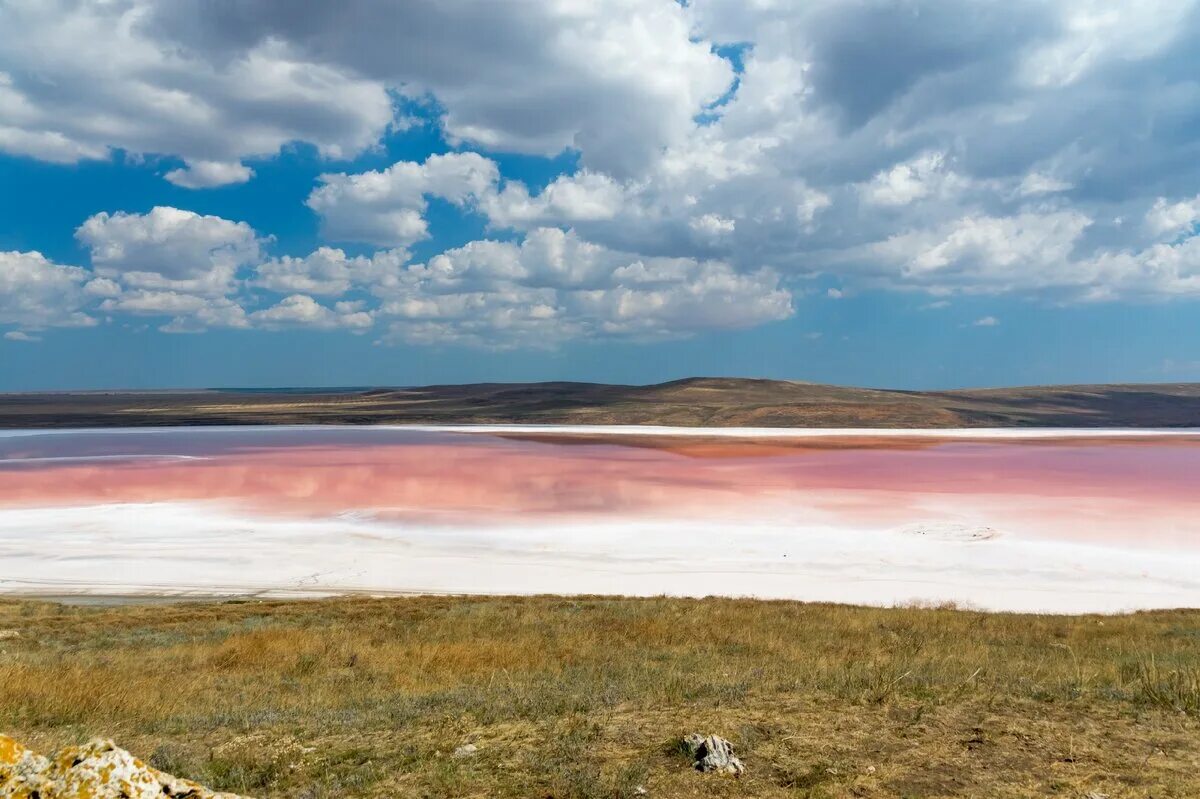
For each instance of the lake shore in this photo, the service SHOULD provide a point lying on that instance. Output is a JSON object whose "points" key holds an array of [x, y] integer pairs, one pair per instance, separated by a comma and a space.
{"points": [[1062, 521]]}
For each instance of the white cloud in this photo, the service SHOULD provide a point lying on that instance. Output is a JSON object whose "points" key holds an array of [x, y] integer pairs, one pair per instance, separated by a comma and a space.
{"points": [[327, 271], [80, 79], [1032, 253], [20, 335], [155, 303], [385, 207], [943, 147], [1095, 31], [102, 287], [555, 286], [616, 79], [584, 196], [207, 174], [1166, 218], [1040, 183], [169, 249], [36, 293], [299, 310], [912, 180], [190, 313], [984, 253], [713, 225], [986, 321], [219, 312]]}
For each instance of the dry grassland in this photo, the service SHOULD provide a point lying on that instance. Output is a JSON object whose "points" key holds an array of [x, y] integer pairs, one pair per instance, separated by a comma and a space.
{"points": [[585, 698]]}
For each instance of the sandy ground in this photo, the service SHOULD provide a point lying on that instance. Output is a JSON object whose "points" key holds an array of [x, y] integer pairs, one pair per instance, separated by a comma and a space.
{"points": [[980, 550]]}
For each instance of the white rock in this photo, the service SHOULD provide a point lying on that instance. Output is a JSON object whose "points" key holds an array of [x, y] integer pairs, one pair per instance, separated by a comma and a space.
{"points": [[713, 753], [98, 770], [466, 750]]}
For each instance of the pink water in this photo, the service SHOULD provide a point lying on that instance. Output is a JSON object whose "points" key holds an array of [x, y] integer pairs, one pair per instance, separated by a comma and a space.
{"points": [[1070, 523], [1140, 490]]}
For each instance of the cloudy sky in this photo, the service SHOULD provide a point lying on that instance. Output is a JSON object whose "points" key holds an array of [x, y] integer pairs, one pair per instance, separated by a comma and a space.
{"points": [[910, 193]]}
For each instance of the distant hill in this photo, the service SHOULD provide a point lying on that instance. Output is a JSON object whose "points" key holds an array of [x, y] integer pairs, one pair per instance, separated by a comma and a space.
{"points": [[718, 402]]}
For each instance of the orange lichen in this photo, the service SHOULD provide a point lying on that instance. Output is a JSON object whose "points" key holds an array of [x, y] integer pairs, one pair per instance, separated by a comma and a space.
{"points": [[98, 769]]}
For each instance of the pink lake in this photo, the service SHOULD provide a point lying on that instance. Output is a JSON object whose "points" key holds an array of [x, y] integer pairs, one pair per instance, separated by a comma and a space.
{"points": [[1057, 521]]}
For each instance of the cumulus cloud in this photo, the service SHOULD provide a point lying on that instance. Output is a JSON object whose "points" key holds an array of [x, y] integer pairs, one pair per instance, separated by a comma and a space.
{"points": [[555, 286], [912, 180], [199, 272], [985, 253], [1166, 218], [172, 263], [929, 145], [615, 79], [327, 271], [299, 310], [1034, 253], [385, 207], [909, 117], [169, 249], [208, 174], [81, 79], [1093, 32], [1040, 183], [215, 84], [584, 196], [36, 293], [189, 313]]}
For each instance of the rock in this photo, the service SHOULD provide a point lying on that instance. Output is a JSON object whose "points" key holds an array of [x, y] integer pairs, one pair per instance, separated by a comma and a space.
{"points": [[466, 750], [6, 634], [20, 769], [98, 770], [713, 753], [1095, 795]]}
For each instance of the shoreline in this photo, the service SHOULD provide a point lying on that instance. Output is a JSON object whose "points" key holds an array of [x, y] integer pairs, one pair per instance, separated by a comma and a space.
{"points": [[982, 433]]}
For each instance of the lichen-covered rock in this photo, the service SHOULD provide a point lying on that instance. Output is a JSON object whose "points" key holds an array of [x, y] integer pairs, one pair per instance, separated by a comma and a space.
{"points": [[97, 770], [713, 753], [20, 770]]}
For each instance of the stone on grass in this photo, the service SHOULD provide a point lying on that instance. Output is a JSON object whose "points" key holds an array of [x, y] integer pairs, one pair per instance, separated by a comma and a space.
{"points": [[713, 753], [98, 770], [466, 750]]}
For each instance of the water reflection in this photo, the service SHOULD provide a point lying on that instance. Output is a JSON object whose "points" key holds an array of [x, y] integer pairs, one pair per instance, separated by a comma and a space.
{"points": [[1089, 489]]}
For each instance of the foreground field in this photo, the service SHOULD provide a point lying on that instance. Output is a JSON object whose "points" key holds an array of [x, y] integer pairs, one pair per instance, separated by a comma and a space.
{"points": [[586, 697]]}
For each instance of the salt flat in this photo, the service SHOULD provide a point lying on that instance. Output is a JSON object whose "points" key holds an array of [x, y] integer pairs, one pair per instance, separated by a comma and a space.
{"points": [[1079, 521]]}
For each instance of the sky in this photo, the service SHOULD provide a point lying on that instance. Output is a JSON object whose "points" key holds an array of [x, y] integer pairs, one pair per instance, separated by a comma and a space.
{"points": [[893, 193]]}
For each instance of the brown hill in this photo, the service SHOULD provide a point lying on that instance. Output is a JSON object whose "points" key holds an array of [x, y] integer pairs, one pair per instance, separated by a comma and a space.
{"points": [[719, 402]]}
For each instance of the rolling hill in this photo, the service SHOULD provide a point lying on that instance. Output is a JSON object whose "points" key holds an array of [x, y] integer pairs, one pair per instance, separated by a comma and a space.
{"points": [[718, 402]]}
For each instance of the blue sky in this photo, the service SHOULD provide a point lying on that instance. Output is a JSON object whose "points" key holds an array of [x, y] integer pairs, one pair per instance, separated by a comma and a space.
{"points": [[881, 193]]}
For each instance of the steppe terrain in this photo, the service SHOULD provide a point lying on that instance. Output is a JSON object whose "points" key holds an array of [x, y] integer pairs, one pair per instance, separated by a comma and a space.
{"points": [[586, 698], [717, 402]]}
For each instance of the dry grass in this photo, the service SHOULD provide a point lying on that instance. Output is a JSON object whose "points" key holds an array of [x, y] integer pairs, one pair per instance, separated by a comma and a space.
{"points": [[585, 697]]}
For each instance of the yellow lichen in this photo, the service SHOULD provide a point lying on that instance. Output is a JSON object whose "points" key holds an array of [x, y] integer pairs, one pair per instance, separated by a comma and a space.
{"points": [[10, 751], [97, 770]]}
